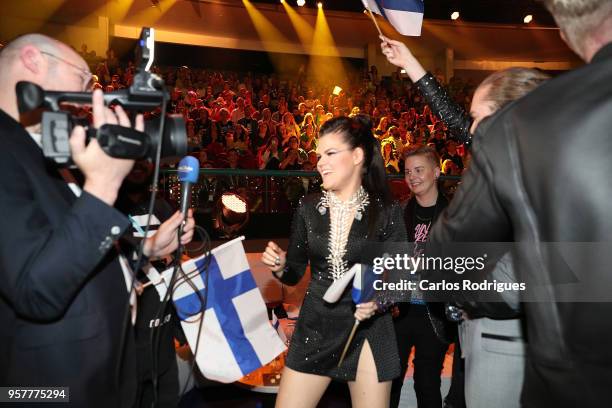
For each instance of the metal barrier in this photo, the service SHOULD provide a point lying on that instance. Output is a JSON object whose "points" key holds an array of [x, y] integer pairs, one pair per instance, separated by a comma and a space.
{"points": [[267, 191]]}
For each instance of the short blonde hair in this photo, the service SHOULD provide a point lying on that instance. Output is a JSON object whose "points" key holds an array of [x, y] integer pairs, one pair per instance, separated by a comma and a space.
{"points": [[511, 84], [425, 151]]}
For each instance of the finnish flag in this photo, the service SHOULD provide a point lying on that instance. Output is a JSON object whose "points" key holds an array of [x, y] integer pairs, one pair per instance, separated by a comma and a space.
{"points": [[236, 336], [363, 278], [277, 326], [405, 15], [363, 284]]}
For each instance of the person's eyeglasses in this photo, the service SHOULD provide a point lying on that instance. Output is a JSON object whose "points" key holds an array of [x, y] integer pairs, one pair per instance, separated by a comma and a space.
{"points": [[85, 74]]}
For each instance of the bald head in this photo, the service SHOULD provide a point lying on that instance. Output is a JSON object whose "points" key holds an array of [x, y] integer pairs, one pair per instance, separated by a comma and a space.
{"points": [[42, 60], [39, 40], [12, 50]]}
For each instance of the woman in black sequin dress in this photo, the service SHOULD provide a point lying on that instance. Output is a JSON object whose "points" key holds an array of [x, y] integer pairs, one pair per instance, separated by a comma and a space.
{"points": [[352, 221]]}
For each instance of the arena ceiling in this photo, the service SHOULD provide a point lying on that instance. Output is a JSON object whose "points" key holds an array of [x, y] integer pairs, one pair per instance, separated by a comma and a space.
{"points": [[481, 11]]}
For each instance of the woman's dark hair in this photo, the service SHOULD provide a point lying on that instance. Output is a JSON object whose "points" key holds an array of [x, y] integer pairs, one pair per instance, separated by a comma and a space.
{"points": [[357, 132], [269, 141]]}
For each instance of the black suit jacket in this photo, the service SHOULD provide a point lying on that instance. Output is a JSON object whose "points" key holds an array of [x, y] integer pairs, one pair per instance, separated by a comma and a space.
{"points": [[63, 296], [540, 175]]}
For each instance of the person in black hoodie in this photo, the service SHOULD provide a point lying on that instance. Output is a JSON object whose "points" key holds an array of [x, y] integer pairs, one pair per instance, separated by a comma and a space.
{"points": [[418, 324]]}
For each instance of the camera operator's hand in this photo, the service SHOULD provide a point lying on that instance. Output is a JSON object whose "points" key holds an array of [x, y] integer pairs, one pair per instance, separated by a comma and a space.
{"points": [[103, 174], [165, 241]]}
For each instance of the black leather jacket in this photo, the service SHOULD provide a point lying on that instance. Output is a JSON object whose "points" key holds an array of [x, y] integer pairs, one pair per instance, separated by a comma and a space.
{"points": [[440, 102], [459, 123], [512, 192]]}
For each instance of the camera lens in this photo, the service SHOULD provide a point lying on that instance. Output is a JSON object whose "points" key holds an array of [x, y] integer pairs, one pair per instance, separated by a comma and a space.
{"points": [[174, 139]]}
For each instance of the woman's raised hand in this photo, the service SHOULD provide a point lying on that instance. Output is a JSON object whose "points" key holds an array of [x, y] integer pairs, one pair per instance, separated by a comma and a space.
{"points": [[274, 257], [398, 54]]}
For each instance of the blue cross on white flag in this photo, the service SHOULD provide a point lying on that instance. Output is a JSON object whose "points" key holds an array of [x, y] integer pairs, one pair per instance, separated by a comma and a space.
{"points": [[363, 291], [279, 329], [236, 337], [363, 284], [405, 15]]}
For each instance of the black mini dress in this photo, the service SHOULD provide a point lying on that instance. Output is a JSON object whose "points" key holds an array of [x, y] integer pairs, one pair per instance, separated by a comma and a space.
{"points": [[323, 328]]}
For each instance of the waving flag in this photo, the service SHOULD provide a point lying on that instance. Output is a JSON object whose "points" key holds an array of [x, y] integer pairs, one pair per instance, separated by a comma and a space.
{"points": [[363, 285], [405, 15], [363, 278], [236, 336], [337, 288]]}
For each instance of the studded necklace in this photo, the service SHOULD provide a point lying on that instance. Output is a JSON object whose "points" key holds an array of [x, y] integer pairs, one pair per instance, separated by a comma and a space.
{"points": [[340, 221]]}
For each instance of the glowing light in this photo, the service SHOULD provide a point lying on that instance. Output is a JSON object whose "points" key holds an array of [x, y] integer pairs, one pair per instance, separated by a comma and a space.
{"points": [[304, 30], [231, 213], [234, 203], [455, 15], [320, 5], [271, 38], [301, 3], [336, 90], [528, 19], [268, 32], [325, 67]]}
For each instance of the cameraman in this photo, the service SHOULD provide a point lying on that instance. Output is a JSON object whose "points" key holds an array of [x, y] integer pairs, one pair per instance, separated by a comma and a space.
{"points": [[63, 298]]}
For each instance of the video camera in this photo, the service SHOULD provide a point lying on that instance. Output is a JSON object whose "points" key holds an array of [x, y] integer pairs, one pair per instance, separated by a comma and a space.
{"points": [[146, 93]]}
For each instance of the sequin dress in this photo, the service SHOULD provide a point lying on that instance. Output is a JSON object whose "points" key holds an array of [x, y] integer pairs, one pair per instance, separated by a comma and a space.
{"points": [[323, 328]]}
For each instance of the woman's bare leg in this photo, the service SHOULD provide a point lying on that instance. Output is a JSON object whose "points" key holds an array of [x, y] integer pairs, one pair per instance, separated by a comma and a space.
{"points": [[366, 391], [300, 390]]}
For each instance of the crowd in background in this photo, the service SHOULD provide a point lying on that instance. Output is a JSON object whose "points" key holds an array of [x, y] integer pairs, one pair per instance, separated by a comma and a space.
{"points": [[257, 121]]}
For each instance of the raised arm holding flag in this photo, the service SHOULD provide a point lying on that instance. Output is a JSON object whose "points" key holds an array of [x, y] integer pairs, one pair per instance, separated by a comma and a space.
{"points": [[406, 16]]}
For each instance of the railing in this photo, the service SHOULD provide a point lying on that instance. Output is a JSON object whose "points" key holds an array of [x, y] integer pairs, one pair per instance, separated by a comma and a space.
{"points": [[267, 191]]}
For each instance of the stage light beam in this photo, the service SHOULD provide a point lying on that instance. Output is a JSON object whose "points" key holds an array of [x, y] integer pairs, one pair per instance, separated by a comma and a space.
{"points": [[303, 29], [272, 40], [325, 65]]}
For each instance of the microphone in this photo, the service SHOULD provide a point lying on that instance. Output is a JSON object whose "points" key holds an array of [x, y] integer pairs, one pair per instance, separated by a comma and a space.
{"points": [[188, 172]]}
